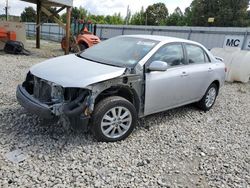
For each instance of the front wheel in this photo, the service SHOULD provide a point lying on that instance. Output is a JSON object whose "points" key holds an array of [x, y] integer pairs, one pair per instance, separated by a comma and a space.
{"points": [[208, 100], [114, 118]]}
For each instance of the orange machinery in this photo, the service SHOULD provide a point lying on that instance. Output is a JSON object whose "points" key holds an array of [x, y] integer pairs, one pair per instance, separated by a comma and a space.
{"points": [[83, 36], [7, 35]]}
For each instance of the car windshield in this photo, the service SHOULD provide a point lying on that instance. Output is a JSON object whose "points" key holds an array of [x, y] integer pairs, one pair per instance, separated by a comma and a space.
{"points": [[120, 51]]}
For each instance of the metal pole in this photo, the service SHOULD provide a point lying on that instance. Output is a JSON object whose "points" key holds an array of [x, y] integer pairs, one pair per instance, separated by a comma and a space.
{"points": [[101, 33], [189, 34], [49, 31], [123, 30], [38, 20], [6, 10], [60, 33], [95, 27], [152, 31], [245, 40], [28, 33], [68, 30]]}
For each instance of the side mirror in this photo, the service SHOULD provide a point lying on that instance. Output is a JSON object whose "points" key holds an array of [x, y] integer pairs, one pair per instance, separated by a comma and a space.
{"points": [[158, 66]]}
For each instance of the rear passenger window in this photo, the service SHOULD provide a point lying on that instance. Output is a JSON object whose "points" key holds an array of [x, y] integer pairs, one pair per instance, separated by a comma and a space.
{"points": [[196, 54], [171, 54]]}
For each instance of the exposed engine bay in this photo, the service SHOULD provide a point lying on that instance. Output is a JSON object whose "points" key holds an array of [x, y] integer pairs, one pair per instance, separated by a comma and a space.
{"points": [[77, 104]]}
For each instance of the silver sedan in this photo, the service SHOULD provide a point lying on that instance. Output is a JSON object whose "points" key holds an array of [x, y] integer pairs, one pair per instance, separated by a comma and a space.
{"points": [[106, 88]]}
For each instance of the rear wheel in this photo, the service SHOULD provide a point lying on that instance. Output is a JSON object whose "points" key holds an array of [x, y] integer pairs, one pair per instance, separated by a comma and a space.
{"points": [[114, 119], [208, 100]]}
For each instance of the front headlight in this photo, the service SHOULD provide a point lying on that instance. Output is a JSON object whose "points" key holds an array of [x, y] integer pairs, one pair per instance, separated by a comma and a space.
{"points": [[28, 84], [57, 93]]}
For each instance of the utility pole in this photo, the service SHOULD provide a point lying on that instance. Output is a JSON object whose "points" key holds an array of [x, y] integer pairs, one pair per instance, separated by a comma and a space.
{"points": [[6, 10]]}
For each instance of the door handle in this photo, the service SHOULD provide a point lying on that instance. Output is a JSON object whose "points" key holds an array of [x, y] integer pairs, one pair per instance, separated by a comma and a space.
{"points": [[210, 69], [184, 74]]}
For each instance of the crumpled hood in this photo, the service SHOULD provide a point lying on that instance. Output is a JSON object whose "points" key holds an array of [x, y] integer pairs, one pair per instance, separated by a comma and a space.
{"points": [[73, 71]]}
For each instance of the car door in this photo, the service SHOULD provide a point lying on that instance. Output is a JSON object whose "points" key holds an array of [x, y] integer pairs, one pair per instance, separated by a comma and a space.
{"points": [[199, 70], [164, 89]]}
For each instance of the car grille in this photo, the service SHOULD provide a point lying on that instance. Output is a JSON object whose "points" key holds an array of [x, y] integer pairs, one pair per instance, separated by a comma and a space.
{"points": [[42, 90]]}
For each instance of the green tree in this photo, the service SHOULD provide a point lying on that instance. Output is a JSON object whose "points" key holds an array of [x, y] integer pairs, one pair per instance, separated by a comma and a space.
{"points": [[63, 17], [248, 18], [226, 13], [76, 13], [156, 14], [248, 14], [176, 18], [28, 15], [116, 19], [79, 13], [232, 13], [99, 19], [138, 18], [188, 16]]}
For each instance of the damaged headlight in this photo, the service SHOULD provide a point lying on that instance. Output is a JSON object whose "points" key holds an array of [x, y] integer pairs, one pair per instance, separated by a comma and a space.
{"points": [[57, 93]]}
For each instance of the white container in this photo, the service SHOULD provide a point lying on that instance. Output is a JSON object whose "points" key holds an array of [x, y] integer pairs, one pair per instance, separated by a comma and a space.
{"points": [[237, 62]]}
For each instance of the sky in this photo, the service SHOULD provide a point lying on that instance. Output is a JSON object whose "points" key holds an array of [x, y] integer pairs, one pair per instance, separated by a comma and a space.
{"points": [[102, 7]]}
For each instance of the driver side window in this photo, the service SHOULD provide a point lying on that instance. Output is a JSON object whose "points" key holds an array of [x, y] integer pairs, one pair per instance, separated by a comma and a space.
{"points": [[171, 54]]}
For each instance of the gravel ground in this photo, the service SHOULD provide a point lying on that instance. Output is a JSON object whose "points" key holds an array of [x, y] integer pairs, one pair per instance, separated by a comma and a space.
{"points": [[183, 147]]}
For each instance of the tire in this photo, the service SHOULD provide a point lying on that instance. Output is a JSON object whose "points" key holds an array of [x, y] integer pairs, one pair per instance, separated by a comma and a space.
{"points": [[63, 44], [83, 46], [207, 103], [103, 119]]}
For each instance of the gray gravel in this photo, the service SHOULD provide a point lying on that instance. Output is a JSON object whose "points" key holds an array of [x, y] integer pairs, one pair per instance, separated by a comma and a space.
{"points": [[183, 147]]}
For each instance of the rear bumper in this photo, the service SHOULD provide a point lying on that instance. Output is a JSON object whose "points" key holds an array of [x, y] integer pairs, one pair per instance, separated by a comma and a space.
{"points": [[32, 105]]}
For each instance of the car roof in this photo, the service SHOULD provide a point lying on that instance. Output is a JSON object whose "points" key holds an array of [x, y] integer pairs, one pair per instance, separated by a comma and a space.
{"points": [[159, 38]]}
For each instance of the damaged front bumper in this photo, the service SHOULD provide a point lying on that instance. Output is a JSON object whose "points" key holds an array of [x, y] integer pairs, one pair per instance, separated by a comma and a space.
{"points": [[33, 105], [74, 110]]}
